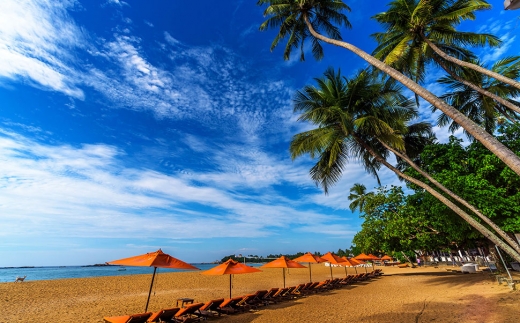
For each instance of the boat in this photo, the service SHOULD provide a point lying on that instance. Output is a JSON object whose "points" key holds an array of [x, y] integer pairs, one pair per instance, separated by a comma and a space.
{"points": [[121, 269]]}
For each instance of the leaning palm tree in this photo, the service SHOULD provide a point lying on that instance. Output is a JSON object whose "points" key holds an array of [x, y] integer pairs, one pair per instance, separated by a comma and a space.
{"points": [[299, 20], [479, 108], [358, 117], [418, 32]]}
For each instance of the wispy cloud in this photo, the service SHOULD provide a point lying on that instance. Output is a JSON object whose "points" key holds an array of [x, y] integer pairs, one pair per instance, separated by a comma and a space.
{"points": [[85, 192], [35, 42]]}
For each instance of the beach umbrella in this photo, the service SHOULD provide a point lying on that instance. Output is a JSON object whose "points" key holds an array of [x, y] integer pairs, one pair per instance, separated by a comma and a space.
{"points": [[386, 257], [283, 262], [363, 257], [231, 267], [346, 263], [157, 259], [356, 262], [332, 259], [310, 258]]}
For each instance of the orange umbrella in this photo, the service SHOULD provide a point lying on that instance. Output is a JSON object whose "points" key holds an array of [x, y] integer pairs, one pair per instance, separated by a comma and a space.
{"points": [[386, 257], [363, 256], [348, 263], [283, 262], [310, 258], [332, 259], [230, 267], [358, 262], [153, 259], [373, 257]]}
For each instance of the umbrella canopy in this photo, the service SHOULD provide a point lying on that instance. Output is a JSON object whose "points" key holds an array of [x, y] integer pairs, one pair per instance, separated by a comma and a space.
{"points": [[283, 262], [357, 262], [310, 258], [230, 267], [373, 257], [363, 256], [332, 259], [347, 263], [386, 257], [153, 259]]}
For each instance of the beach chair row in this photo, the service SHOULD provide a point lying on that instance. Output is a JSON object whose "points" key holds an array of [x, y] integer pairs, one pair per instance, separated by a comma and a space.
{"points": [[202, 311]]}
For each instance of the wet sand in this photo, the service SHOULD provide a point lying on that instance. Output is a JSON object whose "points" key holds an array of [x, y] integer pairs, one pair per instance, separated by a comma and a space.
{"points": [[401, 295]]}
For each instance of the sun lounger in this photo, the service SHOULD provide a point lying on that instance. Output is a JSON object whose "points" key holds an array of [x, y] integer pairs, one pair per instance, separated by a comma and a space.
{"points": [[134, 318], [278, 295], [190, 313], [212, 308], [256, 299], [229, 306], [403, 265], [297, 291], [309, 288], [164, 315], [267, 298]]}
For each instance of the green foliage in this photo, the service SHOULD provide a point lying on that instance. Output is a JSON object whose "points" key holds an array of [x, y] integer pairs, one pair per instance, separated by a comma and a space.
{"points": [[395, 221], [289, 16], [478, 176], [407, 22]]}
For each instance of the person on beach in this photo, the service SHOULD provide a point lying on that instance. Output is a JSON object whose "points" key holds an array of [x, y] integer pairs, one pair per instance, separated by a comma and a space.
{"points": [[418, 262]]}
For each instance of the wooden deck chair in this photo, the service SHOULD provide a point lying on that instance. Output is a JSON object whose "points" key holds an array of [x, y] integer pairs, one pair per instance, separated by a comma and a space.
{"points": [[134, 318], [296, 292], [310, 288], [212, 308], [229, 306], [164, 315], [257, 299], [190, 313], [278, 296], [267, 298]]}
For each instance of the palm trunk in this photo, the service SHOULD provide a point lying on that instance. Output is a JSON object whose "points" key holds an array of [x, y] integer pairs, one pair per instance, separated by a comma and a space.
{"points": [[468, 218], [477, 88], [490, 142], [457, 198], [474, 67]]}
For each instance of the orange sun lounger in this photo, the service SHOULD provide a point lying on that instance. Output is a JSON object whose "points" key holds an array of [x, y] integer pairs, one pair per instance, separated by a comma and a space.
{"points": [[134, 318], [164, 315], [189, 313]]}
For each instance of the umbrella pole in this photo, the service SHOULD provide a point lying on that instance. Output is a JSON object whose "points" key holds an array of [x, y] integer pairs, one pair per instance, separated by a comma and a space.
{"points": [[229, 286], [310, 273], [283, 271], [150, 292], [346, 271], [330, 266]]}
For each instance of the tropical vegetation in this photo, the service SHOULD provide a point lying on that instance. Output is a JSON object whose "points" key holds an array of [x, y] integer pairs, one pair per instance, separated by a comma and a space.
{"points": [[316, 19], [367, 118]]}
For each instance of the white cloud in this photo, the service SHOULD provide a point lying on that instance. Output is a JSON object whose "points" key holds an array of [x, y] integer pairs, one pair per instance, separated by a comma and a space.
{"points": [[35, 39], [84, 192]]}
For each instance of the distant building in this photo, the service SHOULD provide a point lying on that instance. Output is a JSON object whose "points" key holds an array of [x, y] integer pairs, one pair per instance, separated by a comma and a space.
{"points": [[511, 4]]}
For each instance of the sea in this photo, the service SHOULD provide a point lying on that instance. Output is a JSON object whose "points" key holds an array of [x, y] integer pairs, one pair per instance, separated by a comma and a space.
{"points": [[9, 274]]}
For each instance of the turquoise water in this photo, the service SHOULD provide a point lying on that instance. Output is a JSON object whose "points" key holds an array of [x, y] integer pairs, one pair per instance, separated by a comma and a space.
{"points": [[45, 273]]}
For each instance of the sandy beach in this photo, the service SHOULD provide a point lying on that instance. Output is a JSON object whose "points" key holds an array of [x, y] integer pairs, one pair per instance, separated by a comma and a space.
{"points": [[401, 295]]}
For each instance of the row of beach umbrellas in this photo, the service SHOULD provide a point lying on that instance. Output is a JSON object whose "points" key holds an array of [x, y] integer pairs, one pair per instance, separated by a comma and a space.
{"points": [[159, 259]]}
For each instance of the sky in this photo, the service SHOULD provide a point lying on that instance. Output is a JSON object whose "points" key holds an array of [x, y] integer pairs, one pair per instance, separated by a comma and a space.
{"points": [[129, 126]]}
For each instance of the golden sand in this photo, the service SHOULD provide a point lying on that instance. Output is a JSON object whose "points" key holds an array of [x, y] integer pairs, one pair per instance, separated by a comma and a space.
{"points": [[401, 295]]}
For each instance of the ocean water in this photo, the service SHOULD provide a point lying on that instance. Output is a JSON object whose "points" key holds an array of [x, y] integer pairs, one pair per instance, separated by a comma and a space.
{"points": [[46, 273]]}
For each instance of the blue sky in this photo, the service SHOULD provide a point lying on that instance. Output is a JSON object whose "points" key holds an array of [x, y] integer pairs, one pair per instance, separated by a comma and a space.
{"points": [[128, 126]]}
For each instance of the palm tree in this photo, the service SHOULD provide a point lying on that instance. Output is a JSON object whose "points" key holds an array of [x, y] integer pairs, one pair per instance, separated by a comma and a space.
{"points": [[358, 117], [292, 16], [473, 104], [422, 31], [358, 196]]}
